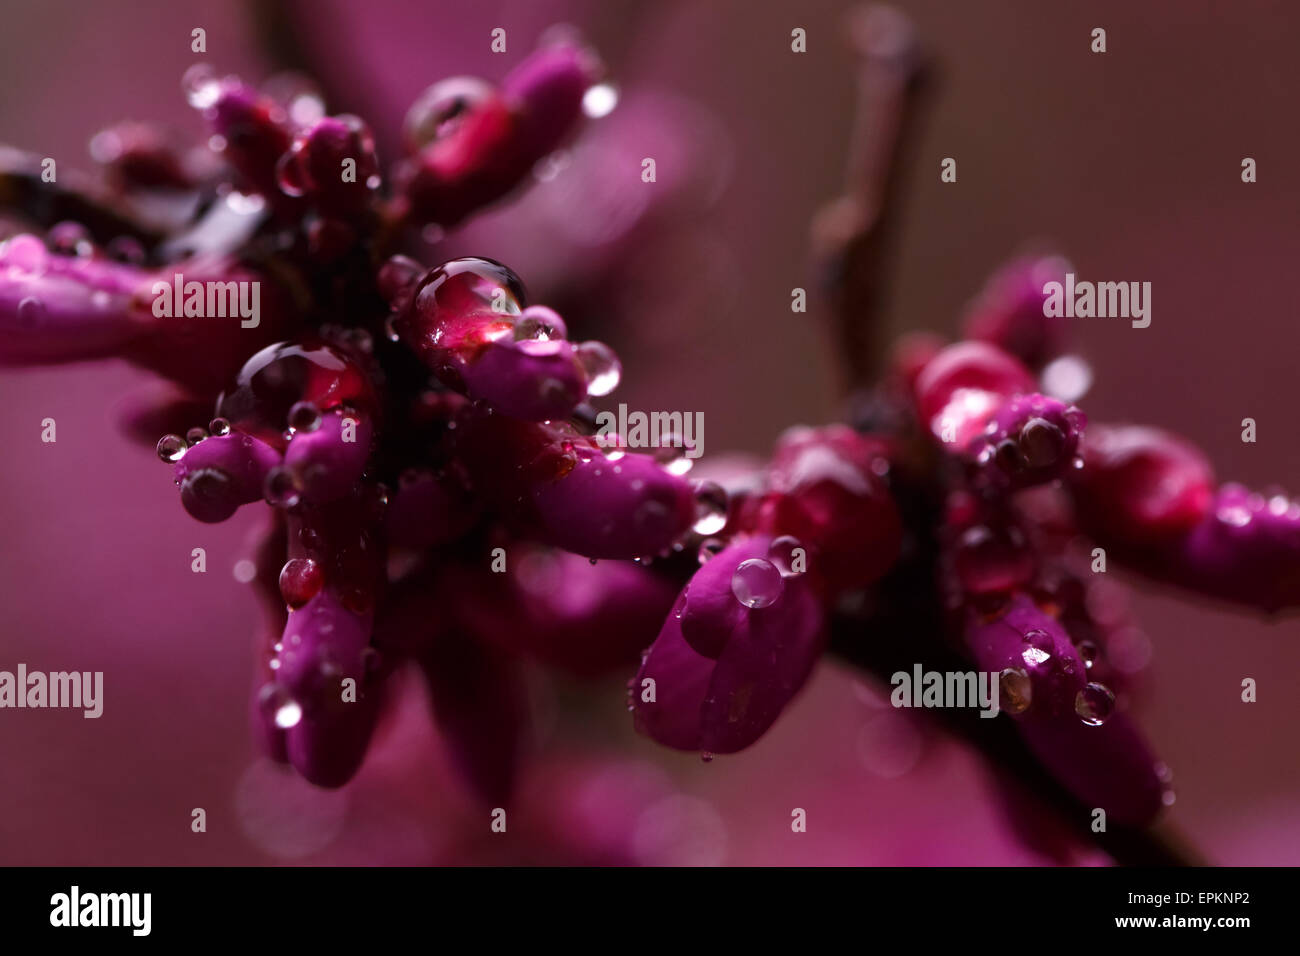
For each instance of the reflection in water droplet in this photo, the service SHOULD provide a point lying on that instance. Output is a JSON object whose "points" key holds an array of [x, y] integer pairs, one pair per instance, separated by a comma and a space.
{"points": [[602, 367], [171, 448], [710, 508], [757, 583], [1094, 704]]}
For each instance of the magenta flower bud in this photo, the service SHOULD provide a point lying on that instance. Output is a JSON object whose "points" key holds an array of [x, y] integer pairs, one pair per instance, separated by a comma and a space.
{"points": [[629, 508], [252, 131], [765, 653], [328, 455], [475, 144], [465, 321], [64, 308], [1009, 312], [538, 380], [827, 491], [545, 92], [561, 609], [1140, 486], [962, 387], [220, 473], [1067, 721], [1246, 549], [1032, 440], [317, 166]]}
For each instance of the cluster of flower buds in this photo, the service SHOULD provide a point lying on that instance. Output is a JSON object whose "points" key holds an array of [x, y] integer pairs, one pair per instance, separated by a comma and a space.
{"points": [[425, 440]]}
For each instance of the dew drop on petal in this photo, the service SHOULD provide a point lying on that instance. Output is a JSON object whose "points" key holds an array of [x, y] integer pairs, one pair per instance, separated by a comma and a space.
{"points": [[171, 448], [1017, 690], [602, 367], [710, 508], [757, 583], [219, 427], [781, 552], [709, 548], [196, 434], [300, 581], [304, 417], [1094, 704], [281, 489]]}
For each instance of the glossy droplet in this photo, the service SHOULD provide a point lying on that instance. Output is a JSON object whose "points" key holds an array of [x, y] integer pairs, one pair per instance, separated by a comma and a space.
{"points": [[280, 376], [468, 286], [710, 508], [785, 553], [600, 100], [671, 454], [201, 86], [442, 107], [706, 757], [602, 366], [1017, 690], [289, 175], [31, 313], [282, 489], [300, 581], [1041, 443], [196, 434], [539, 324], [70, 239], [1039, 647], [1094, 704], [304, 417], [1088, 651], [219, 427], [709, 548], [172, 448], [757, 583]]}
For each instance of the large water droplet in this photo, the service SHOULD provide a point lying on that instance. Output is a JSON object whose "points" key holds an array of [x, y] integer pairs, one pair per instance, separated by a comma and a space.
{"points": [[282, 489], [757, 583], [709, 549], [300, 581], [788, 554], [304, 417]]}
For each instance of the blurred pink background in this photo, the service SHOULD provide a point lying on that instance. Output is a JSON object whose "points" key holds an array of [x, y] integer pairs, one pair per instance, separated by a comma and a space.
{"points": [[1129, 160]]}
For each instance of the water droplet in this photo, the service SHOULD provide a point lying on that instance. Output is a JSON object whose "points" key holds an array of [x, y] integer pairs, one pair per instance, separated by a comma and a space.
{"points": [[31, 312], [710, 547], [600, 100], [196, 434], [1094, 704], [289, 174], [282, 489], [706, 756], [71, 239], [602, 367], [201, 86], [171, 448], [1017, 690], [710, 508], [781, 553], [1088, 651], [538, 324], [288, 714], [219, 427], [300, 581], [757, 583], [441, 109], [1041, 443], [1238, 516]]}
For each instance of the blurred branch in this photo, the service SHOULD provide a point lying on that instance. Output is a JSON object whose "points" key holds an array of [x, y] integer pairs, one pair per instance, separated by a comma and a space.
{"points": [[853, 235]]}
